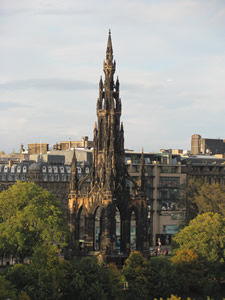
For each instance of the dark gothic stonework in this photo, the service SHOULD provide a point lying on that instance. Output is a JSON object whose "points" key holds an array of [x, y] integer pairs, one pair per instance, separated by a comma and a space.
{"points": [[104, 217]]}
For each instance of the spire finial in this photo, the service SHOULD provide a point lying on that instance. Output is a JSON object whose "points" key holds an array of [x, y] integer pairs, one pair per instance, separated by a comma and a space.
{"points": [[109, 50], [74, 179]]}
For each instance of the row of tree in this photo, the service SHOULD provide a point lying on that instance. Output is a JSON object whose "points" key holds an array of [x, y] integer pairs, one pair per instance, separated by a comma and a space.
{"points": [[32, 224], [196, 269], [192, 272]]}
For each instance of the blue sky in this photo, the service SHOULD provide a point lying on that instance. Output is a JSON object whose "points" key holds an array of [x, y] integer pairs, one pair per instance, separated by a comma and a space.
{"points": [[170, 58]]}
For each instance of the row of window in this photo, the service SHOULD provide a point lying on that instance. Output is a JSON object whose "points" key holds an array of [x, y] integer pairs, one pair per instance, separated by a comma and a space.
{"points": [[45, 169], [14, 169], [55, 169], [169, 182], [12, 177]]}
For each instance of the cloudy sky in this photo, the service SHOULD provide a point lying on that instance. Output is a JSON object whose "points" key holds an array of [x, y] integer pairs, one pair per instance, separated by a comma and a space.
{"points": [[170, 58]]}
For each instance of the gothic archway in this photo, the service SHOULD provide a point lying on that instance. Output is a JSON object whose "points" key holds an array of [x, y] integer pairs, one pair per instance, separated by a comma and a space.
{"points": [[133, 231], [82, 224]]}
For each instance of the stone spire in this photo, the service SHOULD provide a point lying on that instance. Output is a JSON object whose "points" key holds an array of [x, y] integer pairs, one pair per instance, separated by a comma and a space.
{"points": [[109, 66], [108, 154], [109, 50], [74, 179], [142, 172]]}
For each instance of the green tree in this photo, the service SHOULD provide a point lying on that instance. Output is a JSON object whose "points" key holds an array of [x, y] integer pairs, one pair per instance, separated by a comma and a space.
{"points": [[204, 197], [190, 269], [48, 277], [200, 252], [206, 236], [29, 217], [45, 278], [91, 280], [164, 279], [136, 271], [7, 290], [188, 192], [115, 277]]}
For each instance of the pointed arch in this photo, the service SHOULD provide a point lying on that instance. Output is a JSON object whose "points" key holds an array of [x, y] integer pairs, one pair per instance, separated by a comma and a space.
{"points": [[81, 233], [97, 228], [133, 230]]}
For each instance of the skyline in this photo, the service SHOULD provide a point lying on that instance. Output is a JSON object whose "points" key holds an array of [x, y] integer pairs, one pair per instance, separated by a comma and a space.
{"points": [[170, 62]]}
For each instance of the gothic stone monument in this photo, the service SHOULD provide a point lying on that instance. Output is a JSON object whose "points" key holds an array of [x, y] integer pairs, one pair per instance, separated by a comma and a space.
{"points": [[103, 217]]}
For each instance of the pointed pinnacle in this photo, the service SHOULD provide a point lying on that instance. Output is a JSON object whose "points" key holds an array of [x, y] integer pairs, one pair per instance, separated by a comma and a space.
{"points": [[109, 45], [74, 157]]}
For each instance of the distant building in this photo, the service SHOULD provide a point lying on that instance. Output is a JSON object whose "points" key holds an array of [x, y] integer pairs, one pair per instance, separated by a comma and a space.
{"points": [[53, 176], [201, 145], [37, 148], [84, 143], [163, 181]]}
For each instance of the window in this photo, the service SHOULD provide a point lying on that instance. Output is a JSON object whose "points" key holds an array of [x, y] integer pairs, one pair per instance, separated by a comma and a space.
{"points": [[170, 194], [169, 182], [24, 169], [128, 160], [168, 169], [147, 160], [6, 169], [44, 169], [49, 169], [55, 169], [87, 170], [170, 229], [68, 169]]}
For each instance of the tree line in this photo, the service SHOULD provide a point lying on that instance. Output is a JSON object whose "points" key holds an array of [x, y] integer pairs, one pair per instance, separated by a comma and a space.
{"points": [[32, 224]]}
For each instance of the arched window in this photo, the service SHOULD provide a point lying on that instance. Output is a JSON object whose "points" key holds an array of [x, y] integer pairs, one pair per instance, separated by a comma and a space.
{"points": [[133, 231], [97, 229], [68, 169], [118, 229]]}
